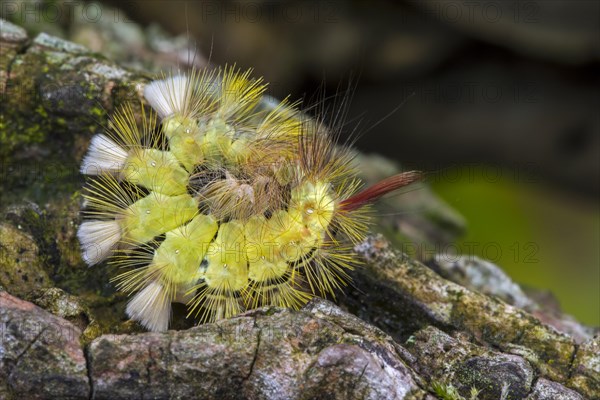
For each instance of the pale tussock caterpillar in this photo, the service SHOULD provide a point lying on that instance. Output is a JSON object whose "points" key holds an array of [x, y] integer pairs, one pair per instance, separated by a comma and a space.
{"points": [[219, 202]]}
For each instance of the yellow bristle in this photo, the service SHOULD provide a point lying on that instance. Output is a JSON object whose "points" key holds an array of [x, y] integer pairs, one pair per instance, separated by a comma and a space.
{"points": [[239, 94], [326, 269], [284, 291], [283, 121], [106, 198], [211, 304], [124, 128]]}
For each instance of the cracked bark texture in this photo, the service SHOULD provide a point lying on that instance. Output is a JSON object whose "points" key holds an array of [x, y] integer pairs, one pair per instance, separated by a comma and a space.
{"points": [[401, 328], [267, 353], [40, 354]]}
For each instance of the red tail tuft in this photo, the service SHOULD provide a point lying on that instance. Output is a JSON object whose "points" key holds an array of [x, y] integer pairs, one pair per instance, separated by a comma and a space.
{"points": [[371, 194]]}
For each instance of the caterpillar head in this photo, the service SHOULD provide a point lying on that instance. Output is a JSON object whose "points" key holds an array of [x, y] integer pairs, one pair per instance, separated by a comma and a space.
{"points": [[222, 201]]}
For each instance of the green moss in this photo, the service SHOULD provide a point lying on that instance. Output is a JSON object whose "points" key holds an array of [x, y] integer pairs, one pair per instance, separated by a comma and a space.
{"points": [[22, 265], [17, 132], [25, 122], [46, 96], [271, 311], [528, 221], [553, 351], [41, 111], [98, 112], [446, 392], [48, 104], [449, 392]]}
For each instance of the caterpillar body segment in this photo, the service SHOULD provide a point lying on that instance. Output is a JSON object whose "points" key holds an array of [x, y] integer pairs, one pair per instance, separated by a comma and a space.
{"points": [[226, 259], [186, 141], [221, 199], [156, 170], [156, 214], [177, 260]]}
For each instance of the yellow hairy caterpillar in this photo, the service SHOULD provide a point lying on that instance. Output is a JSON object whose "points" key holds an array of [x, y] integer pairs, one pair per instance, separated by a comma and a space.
{"points": [[221, 200]]}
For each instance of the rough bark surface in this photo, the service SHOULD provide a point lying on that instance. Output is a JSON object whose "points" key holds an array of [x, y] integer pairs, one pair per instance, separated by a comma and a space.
{"points": [[40, 354], [404, 330]]}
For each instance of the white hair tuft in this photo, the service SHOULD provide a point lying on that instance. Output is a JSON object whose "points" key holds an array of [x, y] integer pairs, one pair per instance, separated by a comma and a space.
{"points": [[104, 155], [97, 239], [151, 307], [168, 96]]}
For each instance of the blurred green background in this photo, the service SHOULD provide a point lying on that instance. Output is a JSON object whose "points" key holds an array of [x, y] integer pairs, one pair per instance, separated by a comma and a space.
{"points": [[540, 235]]}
